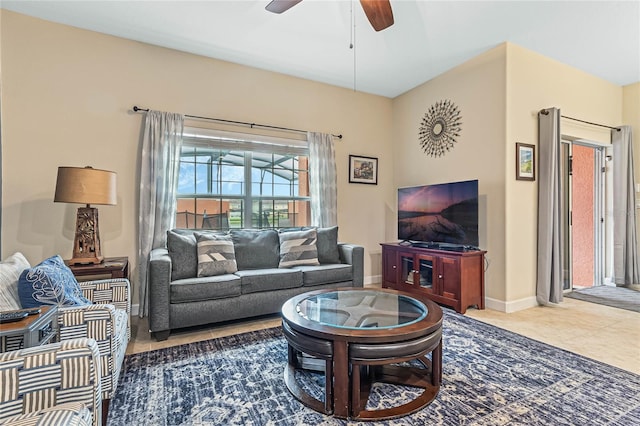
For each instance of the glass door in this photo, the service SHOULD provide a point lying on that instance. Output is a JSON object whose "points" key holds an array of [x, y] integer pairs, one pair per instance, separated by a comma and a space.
{"points": [[407, 269], [583, 174], [565, 213], [425, 270]]}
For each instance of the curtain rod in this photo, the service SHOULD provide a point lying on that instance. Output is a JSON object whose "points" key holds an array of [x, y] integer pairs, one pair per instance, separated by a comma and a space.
{"points": [[546, 112], [243, 123]]}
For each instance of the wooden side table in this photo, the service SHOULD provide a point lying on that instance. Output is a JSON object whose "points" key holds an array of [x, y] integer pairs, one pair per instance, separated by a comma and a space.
{"points": [[111, 267], [34, 330]]}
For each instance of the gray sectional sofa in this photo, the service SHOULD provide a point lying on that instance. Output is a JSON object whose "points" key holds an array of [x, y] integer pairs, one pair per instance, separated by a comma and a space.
{"points": [[270, 267]]}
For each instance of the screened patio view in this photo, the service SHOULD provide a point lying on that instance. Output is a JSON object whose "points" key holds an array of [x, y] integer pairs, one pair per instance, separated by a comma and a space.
{"points": [[222, 189]]}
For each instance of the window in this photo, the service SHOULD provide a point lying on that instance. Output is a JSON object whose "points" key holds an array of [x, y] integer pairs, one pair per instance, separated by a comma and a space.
{"points": [[242, 181]]}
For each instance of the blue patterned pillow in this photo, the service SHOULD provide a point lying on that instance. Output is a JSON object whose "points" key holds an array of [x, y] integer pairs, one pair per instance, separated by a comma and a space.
{"points": [[51, 282]]}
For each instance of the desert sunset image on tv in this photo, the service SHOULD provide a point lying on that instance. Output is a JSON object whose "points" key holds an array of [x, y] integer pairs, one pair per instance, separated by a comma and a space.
{"points": [[445, 212]]}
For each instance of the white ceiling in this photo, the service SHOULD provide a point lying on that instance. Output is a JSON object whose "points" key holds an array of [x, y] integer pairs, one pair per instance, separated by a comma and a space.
{"points": [[312, 39]]}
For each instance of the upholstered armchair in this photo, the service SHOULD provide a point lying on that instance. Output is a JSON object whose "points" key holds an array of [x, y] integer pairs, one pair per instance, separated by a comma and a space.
{"points": [[108, 322], [53, 384]]}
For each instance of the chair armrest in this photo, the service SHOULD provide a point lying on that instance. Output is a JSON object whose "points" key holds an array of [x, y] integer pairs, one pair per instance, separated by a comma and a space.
{"points": [[72, 321], [99, 322], [353, 255], [115, 291], [39, 378], [159, 285]]}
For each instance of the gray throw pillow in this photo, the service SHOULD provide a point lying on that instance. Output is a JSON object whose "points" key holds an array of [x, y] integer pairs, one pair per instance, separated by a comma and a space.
{"points": [[298, 248], [328, 245], [216, 255], [255, 248], [183, 253]]}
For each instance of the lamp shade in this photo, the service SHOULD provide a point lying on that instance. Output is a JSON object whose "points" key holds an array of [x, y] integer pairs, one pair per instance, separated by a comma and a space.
{"points": [[85, 185]]}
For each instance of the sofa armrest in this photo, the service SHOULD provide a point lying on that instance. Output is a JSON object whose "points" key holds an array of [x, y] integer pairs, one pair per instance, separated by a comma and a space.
{"points": [[39, 379], [353, 255], [159, 281]]}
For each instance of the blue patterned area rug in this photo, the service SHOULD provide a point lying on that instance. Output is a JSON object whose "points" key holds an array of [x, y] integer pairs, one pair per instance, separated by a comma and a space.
{"points": [[490, 377]]}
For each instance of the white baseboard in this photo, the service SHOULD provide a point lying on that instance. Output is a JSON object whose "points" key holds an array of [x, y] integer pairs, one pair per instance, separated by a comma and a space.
{"points": [[372, 279], [508, 307]]}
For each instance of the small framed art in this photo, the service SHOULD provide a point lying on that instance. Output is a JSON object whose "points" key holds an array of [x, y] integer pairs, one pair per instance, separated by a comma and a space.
{"points": [[525, 161], [363, 169]]}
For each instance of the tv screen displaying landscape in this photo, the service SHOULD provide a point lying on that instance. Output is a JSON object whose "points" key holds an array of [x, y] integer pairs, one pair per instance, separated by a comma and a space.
{"points": [[443, 213]]}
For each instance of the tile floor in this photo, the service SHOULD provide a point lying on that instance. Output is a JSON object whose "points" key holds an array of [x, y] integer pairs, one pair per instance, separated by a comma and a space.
{"points": [[599, 332]]}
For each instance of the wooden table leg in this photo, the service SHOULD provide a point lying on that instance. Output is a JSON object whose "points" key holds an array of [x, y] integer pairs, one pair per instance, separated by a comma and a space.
{"points": [[341, 406], [436, 365], [292, 356], [355, 390]]}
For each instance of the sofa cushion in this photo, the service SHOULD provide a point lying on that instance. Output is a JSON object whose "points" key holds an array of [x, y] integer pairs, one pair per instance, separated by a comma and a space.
{"points": [[298, 248], [216, 255], [51, 282], [257, 280], [10, 270], [325, 274], [256, 248], [204, 288], [184, 256]]}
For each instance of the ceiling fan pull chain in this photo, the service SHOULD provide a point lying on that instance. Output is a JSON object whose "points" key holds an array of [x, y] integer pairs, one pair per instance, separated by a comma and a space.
{"points": [[352, 46]]}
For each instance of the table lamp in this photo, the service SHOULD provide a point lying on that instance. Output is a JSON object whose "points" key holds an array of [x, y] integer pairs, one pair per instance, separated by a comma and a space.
{"points": [[86, 185]]}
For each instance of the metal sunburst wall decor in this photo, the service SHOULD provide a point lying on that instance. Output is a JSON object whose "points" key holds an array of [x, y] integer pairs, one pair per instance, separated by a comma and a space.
{"points": [[439, 128]]}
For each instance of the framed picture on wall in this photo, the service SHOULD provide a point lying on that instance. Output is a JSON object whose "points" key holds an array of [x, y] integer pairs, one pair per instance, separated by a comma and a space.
{"points": [[363, 169], [525, 161]]}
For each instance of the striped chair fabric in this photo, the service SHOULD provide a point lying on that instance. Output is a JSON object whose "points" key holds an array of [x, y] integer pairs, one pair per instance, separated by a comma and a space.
{"points": [[53, 384], [107, 321]]}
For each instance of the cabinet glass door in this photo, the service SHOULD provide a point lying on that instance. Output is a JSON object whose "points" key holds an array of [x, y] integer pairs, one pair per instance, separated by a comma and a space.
{"points": [[407, 269], [426, 272]]}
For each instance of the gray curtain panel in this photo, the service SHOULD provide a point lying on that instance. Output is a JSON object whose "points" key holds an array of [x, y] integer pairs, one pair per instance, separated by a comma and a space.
{"points": [[625, 241], [322, 180], [549, 279], [160, 159]]}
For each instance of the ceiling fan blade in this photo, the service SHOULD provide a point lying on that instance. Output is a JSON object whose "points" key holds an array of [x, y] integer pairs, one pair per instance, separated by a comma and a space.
{"points": [[279, 6], [378, 12]]}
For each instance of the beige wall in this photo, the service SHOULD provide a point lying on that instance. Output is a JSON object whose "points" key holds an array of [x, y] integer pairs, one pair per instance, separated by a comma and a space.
{"points": [[477, 88], [535, 82], [66, 100]]}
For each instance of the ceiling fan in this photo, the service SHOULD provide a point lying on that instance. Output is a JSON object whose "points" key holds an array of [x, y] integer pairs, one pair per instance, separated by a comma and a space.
{"points": [[378, 12]]}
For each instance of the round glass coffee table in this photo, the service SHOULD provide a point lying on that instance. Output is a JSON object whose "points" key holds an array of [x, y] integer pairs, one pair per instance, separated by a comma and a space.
{"points": [[359, 336]]}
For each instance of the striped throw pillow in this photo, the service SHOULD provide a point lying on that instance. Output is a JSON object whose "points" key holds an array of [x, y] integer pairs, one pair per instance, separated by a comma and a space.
{"points": [[216, 255], [10, 270], [298, 248]]}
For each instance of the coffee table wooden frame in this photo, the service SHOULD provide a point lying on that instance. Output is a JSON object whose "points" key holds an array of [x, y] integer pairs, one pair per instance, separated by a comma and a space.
{"points": [[350, 392]]}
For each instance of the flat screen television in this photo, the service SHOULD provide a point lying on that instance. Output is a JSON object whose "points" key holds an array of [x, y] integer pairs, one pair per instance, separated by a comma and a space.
{"points": [[441, 213]]}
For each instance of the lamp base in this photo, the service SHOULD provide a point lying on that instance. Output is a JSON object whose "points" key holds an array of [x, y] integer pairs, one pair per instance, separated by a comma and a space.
{"points": [[86, 244]]}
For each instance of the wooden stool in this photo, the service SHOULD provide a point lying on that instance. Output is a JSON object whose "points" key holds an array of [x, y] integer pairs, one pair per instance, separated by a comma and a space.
{"points": [[362, 356], [317, 348]]}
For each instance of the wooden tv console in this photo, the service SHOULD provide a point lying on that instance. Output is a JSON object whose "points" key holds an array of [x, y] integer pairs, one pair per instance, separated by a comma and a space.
{"points": [[451, 278]]}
